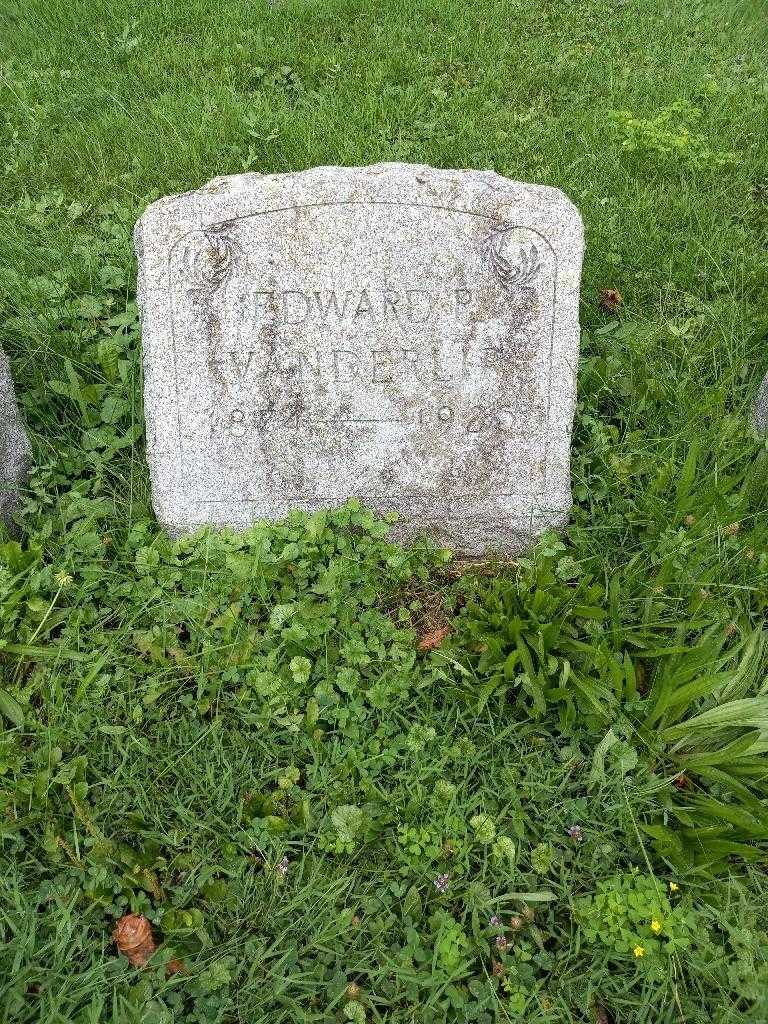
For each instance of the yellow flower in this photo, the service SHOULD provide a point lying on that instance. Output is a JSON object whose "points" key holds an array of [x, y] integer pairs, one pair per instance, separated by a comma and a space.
{"points": [[673, 887], [62, 578], [639, 951], [655, 926]]}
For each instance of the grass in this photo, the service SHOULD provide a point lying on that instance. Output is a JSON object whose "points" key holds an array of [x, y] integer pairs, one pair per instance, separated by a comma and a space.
{"points": [[239, 737]]}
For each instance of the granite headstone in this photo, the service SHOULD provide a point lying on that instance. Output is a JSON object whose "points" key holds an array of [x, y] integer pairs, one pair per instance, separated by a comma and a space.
{"points": [[760, 408], [14, 446], [401, 334]]}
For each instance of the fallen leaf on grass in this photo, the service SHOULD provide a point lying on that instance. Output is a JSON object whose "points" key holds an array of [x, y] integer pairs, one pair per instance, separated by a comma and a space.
{"points": [[601, 1015], [610, 300], [134, 939], [434, 638]]}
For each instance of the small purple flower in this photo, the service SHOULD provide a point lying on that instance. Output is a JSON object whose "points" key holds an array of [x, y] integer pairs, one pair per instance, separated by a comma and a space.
{"points": [[501, 942], [576, 832], [282, 867], [494, 921], [441, 883]]}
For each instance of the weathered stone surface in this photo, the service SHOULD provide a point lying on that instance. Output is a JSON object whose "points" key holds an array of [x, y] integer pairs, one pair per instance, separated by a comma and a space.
{"points": [[14, 446], [401, 334], [760, 408]]}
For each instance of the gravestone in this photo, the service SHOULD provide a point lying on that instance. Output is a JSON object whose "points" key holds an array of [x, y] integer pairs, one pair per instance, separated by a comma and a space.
{"points": [[760, 408], [14, 446], [404, 335]]}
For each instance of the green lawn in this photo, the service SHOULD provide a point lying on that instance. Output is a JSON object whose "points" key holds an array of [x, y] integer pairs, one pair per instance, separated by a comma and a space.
{"points": [[559, 813]]}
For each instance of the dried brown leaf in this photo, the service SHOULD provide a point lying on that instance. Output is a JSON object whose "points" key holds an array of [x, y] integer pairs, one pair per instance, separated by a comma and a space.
{"points": [[134, 939], [601, 1015], [610, 300], [429, 641]]}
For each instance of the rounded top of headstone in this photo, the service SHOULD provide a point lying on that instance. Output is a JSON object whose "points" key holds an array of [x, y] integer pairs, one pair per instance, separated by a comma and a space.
{"points": [[389, 181]]}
